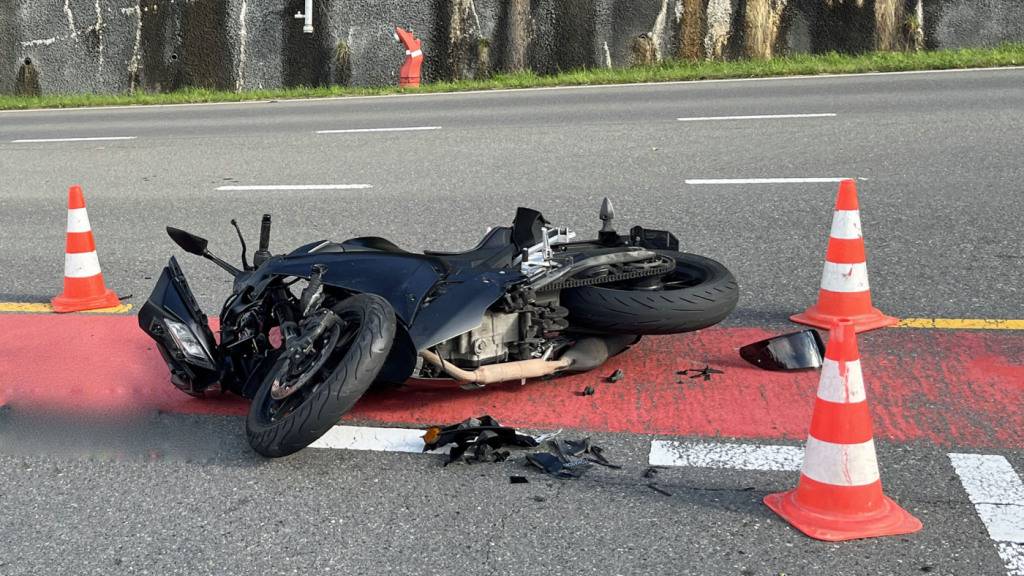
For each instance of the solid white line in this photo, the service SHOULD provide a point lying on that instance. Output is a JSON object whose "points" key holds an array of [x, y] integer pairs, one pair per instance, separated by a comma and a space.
{"points": [[359, 130], [699, 181], [375, 439], [298, 187], [538, 89], [98, 139], [996, 492], [756, 117], [739, 456]]}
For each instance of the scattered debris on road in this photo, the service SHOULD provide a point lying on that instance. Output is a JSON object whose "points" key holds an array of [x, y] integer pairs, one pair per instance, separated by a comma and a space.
{"points": [[588, 391], [707, 371], [615, 376], [518, 480], [478, 439]]}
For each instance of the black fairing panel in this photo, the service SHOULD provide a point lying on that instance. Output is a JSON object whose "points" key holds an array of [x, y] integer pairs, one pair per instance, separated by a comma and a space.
{"points": [[172, 298], [433, 299]]}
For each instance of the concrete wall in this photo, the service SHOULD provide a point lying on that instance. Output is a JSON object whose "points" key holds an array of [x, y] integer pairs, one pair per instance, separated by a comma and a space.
{"points": [[162, 45]]}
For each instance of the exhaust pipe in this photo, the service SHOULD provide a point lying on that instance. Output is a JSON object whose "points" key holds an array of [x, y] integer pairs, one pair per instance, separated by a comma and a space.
{"points": [[586, 354]]}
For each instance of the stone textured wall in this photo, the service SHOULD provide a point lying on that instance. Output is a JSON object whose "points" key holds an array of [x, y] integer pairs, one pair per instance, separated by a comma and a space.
{"points": [[162, 45]]}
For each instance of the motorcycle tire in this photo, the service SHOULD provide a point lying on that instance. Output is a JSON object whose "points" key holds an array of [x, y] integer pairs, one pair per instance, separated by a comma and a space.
{"points": [[339, 382], [699, 293]]}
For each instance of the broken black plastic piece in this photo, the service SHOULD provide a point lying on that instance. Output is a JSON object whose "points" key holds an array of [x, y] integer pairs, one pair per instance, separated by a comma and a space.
{"points": [[651, 472], [588, 391], [553, 466], [802, 350], [480, 437], [706, 372], [616, 376], [518, 480]]}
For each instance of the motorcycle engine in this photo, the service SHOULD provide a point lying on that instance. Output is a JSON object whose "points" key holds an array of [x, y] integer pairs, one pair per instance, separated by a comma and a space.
{"points": [[505, 334]]}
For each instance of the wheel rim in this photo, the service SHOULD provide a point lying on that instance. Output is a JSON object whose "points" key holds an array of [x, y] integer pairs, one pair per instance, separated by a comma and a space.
{"points": [[330, 348]]}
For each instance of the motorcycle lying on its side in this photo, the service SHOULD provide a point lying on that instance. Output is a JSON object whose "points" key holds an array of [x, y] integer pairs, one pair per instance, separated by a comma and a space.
{"points": [[305, 334]]}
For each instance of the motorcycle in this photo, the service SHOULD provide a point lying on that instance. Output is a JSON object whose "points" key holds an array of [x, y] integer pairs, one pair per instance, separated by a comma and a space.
{"points": [[305, 334]]}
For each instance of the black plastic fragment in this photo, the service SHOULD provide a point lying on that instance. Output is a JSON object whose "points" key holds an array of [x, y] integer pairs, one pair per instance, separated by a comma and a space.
{"points": [[553, 465], [803, 350], [480, 437], [651, 472], [588, 391], [518, 480], [706, 372], [616, 376]]}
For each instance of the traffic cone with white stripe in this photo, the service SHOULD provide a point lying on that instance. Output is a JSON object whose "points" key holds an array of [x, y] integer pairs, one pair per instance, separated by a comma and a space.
{"points": [[84, 288], [844, 289], [839, 495]]}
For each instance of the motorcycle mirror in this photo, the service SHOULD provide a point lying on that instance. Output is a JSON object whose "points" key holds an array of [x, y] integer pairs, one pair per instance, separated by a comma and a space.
{"points": [[188, 242], [796, 351]]}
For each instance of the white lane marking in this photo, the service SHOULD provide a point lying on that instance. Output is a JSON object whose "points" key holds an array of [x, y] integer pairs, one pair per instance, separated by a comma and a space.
{"points": [[720, 455], [727, 181], [844, 277], [362, 130], [846, 225], [78, 220], [840, 464], [94, 139], [375, 439], [81, 264], [834, 387], [298, 187], [1013, 557], [997, 493], [755, 117]]}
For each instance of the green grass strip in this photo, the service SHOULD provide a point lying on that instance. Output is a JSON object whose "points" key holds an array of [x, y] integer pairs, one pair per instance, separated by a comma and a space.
{"points": [[669, 71]]}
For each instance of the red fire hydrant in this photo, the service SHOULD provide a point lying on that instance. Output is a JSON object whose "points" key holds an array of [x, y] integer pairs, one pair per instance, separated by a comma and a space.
{"points": [[409, 75]]}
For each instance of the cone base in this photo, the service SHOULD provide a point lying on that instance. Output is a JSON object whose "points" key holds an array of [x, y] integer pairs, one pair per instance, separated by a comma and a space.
{"points": [[889, 520], [63, 303], [861, 322]]}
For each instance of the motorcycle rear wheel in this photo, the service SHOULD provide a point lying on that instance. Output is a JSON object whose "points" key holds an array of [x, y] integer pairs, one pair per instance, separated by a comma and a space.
{"points": [[700, 292], [278, 428]]}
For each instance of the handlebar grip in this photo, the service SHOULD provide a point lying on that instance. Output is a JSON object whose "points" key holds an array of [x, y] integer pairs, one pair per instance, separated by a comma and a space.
{"points": [[265, 233]]}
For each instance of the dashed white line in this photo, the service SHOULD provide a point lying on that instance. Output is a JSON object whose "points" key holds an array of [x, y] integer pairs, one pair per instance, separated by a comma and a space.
{"points": [[729, 181], [397, 129], [296, 187], [736, 456], [94, 139], [998, 496], [756, 117]]}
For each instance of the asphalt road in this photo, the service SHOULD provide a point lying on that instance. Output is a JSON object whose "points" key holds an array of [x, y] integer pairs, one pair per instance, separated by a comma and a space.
{"points": [[937, 152], [937, 155]]}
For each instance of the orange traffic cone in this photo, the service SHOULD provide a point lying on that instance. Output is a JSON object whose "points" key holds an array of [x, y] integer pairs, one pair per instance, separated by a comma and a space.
{"points": [[839, 496], [84, 288], [844, 289]]}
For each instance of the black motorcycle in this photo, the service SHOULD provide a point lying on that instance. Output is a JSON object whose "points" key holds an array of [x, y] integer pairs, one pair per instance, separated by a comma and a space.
{"points": [[304, 335]]}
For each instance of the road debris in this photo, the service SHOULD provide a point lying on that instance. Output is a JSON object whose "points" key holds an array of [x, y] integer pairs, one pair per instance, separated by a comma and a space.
{"points": [[569, 458], [651, 472], [707, 371], [615, 376], [802, 350], [518, 480], [478, 439], [588, 391]]}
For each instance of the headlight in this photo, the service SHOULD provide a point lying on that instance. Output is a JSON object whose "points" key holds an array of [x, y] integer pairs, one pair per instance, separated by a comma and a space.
{"points": [[187, 341]]}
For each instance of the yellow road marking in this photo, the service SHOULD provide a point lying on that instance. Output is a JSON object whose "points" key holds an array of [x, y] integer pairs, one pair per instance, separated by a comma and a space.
{"points": [[962, 323], [43, 308]]}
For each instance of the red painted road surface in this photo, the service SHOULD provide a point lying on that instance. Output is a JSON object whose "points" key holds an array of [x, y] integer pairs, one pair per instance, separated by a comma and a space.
{"points": [[952, 388]]}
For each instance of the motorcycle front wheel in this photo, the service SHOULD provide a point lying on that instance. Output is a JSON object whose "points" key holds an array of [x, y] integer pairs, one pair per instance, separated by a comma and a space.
{"points": [[342, 364]]}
